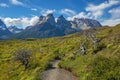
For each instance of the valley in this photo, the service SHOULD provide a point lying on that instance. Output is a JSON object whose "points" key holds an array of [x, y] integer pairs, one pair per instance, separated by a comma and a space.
{"points": [[91, 54]]}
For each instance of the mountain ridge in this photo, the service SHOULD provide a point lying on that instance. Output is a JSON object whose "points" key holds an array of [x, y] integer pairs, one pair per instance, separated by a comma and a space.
{"points": [[3, 30], [48, 27]]}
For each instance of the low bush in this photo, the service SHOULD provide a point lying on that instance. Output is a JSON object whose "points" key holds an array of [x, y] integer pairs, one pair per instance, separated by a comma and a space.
{"points": [[23, 56]]}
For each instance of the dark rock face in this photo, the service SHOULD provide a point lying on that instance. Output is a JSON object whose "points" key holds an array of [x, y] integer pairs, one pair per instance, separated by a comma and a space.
{"points": [[3, 30], [49, 19], [62, 23]]}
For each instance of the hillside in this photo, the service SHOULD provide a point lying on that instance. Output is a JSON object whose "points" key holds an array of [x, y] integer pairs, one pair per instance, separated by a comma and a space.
{"points": [[89, 55], [3, 30]]}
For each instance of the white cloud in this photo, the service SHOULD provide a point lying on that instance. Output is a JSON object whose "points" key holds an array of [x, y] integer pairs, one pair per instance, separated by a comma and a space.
{"points": [[21, 22], [33, 9], [115, 17], [48, 11], [98, 10], [95, 11], [68, 12], [16, 2], [102, 6], [80, 15], [111, 22], [3, 5], [115, 12]]}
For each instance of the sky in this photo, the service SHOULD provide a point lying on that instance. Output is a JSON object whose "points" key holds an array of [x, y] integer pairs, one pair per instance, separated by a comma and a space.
{"points": [[22, 13]]}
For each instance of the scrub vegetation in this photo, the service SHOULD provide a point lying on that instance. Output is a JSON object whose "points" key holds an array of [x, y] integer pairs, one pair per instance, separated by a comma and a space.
{"points": [[90, 55]]}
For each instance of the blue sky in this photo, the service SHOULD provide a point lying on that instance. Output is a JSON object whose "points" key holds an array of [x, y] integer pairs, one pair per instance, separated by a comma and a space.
{"points": [[23, 13]]}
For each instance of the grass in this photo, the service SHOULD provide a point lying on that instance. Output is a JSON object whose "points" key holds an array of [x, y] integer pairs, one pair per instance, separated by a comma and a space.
{"points": [[103, 65]]}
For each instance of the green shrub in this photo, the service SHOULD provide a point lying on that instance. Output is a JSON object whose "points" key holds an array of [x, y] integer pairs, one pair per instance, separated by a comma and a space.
{"points": [[102, 68], [98, 47]]}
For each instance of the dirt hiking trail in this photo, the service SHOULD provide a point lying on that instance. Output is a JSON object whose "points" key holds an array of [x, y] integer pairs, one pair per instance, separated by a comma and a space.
{"points": [[55, 73]]}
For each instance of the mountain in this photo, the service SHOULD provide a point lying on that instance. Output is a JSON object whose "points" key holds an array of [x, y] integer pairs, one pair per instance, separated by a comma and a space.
{"points": [[83, 23], [3, 30], [47, 27], [14, 29], [64, 25]]}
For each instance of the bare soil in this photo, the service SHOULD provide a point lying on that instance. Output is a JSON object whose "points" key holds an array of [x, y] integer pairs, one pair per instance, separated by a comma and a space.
{"points": [[55, 73]]}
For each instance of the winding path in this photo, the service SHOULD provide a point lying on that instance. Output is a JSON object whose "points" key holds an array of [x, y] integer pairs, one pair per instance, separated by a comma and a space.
{"points": [[57, 74]]}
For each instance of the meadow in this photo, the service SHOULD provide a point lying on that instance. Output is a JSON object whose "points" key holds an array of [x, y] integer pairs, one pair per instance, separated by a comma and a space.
{"points": [[100, 60]]}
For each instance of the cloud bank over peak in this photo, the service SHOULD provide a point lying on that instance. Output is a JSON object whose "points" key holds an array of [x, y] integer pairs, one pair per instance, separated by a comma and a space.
{"points": [[21, 22], [47, 11]]}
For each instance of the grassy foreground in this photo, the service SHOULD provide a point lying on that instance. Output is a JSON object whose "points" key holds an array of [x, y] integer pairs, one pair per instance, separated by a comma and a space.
{"points": [[101, 60]]}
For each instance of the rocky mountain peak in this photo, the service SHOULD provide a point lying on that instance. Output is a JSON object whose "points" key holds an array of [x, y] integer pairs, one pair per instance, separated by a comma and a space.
{"points": [[3, 29], [41, 18], [50, 15], [61, 17], [50, 19], [62, 22], [1, 22], [2, 25], [84, 23], [47, 19]]}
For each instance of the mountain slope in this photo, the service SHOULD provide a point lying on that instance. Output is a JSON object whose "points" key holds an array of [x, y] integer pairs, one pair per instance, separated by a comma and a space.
{"points": [[14, 29], [44, 28], [3, 30], [64, 25], [101, 58], [82, 24]]}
